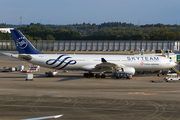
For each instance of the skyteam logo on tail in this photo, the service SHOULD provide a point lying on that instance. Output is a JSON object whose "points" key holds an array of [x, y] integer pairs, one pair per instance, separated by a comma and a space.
{"points": [[21, 42], [61, 62]]}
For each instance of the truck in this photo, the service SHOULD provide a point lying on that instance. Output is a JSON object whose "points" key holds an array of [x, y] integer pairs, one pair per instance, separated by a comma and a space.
{"points": [[173, 77]]}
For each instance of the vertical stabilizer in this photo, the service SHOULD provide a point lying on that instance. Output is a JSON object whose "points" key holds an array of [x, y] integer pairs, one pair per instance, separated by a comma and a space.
{"points": [[22, 43]]}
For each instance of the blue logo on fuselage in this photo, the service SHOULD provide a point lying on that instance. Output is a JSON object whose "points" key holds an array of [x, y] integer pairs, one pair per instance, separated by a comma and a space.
{"points": [[63, 62]]}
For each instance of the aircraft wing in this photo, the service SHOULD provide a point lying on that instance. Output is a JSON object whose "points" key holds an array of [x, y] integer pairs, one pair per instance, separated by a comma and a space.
{"points": [[42, 118], [107, 66]]}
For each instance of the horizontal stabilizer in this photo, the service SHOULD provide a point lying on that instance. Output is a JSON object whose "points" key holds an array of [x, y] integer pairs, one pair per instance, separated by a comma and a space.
{"points": [[8, 54]]}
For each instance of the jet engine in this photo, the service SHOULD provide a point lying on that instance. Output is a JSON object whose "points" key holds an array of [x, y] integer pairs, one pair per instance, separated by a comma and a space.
{"points": [[130, 70]]}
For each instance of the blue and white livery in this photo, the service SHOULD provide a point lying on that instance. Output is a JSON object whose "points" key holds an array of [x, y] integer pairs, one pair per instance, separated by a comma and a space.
{"points": [[88, 62]]}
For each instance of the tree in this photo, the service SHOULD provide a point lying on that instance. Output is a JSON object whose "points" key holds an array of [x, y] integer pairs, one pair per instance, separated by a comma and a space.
{"points": [[28, 37], [37, 38], [50, 37], [62, 30], [159, 35]]}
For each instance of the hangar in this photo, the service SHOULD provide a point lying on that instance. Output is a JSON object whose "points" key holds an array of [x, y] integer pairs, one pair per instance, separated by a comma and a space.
{"points": [[95, 45]]}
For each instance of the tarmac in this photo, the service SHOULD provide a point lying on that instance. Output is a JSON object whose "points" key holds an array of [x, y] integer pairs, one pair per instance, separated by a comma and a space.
{"points": [[79, 98]]}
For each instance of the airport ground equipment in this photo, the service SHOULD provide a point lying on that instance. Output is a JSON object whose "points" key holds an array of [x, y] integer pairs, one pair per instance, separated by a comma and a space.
{"points": [[32, 69], [20, 67], [65, 71], [35, 68], [12, 69], [121, 75], [173, 77], [177, 71], [26, 71], [177, 60], [5, 69], [51, 74], [9, 69], [29, 76]]}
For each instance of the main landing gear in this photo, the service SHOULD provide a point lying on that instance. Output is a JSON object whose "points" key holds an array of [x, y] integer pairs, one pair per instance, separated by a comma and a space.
{"points": [[100, 76], [88, 74], [96, 75]]}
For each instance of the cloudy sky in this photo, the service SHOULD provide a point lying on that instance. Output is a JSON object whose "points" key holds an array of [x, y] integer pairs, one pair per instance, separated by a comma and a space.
{"points": [[62, 12]]}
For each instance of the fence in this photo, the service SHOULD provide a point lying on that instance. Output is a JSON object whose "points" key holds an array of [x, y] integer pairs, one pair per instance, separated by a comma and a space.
{"points": [[71, 45]]}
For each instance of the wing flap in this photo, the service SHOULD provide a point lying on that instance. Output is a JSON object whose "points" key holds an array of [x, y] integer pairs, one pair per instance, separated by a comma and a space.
{"points": [[108, 66], [105, 64]]}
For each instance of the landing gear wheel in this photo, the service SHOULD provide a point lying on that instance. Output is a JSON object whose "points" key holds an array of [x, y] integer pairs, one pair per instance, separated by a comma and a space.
{"points": [[86, 74], [91, 74], [97, 76], [158, 75], [103, 76]]}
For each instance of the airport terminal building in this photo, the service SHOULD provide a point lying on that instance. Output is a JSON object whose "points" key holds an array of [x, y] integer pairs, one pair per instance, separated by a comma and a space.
{"points": [[95, 45], [6, 30]]}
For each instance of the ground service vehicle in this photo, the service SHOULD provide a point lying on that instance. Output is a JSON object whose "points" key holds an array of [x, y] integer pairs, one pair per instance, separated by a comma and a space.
{"points": [[173, 77]]}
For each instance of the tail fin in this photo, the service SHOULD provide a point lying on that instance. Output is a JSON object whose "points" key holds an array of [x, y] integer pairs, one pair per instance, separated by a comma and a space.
{"points": [[22, 43]]}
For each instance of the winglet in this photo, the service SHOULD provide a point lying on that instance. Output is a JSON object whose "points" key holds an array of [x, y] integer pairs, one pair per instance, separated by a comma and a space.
{"points": [[103, 60]]}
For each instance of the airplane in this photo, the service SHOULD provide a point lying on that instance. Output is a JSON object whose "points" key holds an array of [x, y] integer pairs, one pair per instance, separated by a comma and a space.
{"points": [[42, 118], [88, 62]]}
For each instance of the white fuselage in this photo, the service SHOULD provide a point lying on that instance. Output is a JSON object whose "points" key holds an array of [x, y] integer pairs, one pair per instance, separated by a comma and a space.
{"points": [[88, 62]]}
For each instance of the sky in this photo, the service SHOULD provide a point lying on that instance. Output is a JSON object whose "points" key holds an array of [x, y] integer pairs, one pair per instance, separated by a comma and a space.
{"points": [[63, 12]]}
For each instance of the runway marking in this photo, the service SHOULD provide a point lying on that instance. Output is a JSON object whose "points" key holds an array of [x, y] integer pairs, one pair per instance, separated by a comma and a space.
{"points": [[172, 91]]}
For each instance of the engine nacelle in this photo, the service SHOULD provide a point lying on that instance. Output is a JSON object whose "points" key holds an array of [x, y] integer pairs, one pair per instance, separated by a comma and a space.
{"points": [[130, 70]]}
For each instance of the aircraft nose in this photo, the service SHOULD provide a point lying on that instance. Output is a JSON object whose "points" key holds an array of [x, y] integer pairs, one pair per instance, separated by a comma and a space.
{"points": [[174, 64]]}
